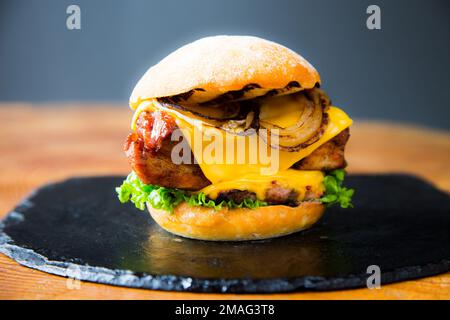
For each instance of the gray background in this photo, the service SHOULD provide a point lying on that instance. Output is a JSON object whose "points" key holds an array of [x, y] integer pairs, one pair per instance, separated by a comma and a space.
{"points": [[399, 73]]}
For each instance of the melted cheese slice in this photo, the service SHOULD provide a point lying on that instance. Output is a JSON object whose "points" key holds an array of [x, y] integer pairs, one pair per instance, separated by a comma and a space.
{"points": [[219, 166], [300, 180]]}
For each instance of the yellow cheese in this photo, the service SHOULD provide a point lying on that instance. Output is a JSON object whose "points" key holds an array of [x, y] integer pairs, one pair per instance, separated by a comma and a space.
{"points": [[218, 165], [285, 113], [299, 180]]}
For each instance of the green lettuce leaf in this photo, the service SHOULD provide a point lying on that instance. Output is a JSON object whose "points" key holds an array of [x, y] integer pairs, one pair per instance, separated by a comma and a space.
{"points": [[134, 190], [335, 193]]}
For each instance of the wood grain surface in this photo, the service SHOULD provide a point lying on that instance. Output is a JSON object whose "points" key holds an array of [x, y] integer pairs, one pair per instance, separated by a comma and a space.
{"points": [[53, 142]]}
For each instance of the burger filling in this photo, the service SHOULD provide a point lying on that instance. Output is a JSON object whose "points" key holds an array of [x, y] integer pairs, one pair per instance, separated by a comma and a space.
{"points": [[302, 121]]}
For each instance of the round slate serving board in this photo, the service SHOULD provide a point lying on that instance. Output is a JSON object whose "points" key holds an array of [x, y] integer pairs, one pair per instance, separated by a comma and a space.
{"points": [[77, 228]]}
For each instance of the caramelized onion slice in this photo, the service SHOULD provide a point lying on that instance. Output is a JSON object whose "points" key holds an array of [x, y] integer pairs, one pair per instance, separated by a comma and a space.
{"points": [[304, 132], [217, 112], [318, 96], [234, 118], [245, 126]]}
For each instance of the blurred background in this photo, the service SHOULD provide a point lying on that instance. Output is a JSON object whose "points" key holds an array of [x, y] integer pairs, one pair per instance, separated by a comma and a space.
{"points": [[398, 73]]}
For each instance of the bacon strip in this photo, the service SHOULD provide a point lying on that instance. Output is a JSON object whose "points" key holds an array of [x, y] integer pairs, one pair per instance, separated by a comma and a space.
{"points": [[149, 154], [153, 128]]}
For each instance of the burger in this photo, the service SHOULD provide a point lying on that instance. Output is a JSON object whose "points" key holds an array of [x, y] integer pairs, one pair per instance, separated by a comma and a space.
{"points": [[233, 139]]}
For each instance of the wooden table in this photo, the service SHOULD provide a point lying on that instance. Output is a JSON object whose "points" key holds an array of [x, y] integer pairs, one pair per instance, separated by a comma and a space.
{"points": [[53, 142]]}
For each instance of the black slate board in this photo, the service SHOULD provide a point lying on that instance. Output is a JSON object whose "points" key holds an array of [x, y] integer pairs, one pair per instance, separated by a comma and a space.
{"points": [[78, 228]]}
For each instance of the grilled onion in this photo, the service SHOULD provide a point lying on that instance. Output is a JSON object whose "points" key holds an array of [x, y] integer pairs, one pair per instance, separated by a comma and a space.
{"points": [[304, 132], [301, 114], [233, 117], [319, 97], [225, 111], [245, 126]]}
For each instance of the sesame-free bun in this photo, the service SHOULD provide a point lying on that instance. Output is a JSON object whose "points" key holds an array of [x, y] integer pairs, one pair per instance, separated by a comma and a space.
{"points": [[237, 224], [210, 67]]}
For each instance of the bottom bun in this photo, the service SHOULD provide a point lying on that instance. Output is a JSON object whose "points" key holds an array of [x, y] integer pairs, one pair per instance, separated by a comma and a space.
{"points": [[237, 224]]}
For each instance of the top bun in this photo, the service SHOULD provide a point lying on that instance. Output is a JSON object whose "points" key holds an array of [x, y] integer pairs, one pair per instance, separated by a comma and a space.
{"points": [[211, 67]]}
